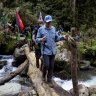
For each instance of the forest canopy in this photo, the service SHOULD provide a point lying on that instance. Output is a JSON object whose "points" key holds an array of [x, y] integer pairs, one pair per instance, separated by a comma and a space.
{"points": [[61, 10]]}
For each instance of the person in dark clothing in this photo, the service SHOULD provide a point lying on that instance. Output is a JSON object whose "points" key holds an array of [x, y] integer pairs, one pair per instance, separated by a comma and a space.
{"points": [[37, 46], [26, 30]]}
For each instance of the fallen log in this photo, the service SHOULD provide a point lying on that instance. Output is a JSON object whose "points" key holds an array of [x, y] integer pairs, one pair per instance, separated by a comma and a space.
{"points": [[36, 76], [11, 75], [42, 88]]}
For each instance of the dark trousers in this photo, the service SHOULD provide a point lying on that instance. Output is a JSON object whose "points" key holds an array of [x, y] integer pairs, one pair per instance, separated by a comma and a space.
{"points": [[48, 65], [37, 55]]}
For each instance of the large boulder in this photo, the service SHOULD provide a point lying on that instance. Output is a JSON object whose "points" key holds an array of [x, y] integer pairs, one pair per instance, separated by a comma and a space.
{"points": [[19, 52], [19, 56], [62, 60], [10, 89], [92, 89], [83, 90], [62, 53]]}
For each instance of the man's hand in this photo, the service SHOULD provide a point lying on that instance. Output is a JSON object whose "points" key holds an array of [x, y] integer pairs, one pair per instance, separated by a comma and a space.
{"points": [[43, 39]]}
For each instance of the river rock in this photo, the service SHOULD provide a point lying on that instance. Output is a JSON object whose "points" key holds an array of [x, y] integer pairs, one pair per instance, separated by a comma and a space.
{"points": [[2, 64], [1, 57], [83, 90], [10, 89], [14, 63], [92, 89], [84, 65], [19, 61], [93, 95], [20, 51], [19, 55], [31, 92], [63, 55]]}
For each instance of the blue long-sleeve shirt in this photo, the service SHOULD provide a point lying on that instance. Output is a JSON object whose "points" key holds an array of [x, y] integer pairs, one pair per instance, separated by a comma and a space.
{"points": [[49, 47]]}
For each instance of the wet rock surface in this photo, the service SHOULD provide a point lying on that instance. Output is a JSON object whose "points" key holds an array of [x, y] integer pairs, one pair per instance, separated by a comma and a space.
{"points": [[86, 91], [2, 64], [92, 90], [83, 90], [19, 56], [18, 86], [10, 89], [85, 65]]}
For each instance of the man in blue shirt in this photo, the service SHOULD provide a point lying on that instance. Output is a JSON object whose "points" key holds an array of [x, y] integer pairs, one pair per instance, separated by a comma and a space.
{"points": [[47, 36]]}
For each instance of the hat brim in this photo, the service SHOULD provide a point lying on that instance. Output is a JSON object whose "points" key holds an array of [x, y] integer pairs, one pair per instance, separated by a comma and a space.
{"points": [[48, 21]]}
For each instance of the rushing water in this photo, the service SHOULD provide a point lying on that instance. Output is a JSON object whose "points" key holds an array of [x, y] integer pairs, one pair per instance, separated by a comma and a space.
{"points": [[9, 68], [87, 78]]}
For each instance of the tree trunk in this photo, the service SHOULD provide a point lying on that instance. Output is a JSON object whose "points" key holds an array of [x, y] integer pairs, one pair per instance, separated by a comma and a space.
{"points": [[74, 66], [10, 76], [74, 59], [73, 7]]}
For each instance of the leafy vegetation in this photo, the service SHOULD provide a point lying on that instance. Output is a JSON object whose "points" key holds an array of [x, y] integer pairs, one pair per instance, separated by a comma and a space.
{"points": [[7, 44], [87, 51], [2, 39], [10, 45], [61, 10]]}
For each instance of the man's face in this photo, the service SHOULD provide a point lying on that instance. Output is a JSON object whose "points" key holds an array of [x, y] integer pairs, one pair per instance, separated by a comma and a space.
{"points": [[48, 24]]}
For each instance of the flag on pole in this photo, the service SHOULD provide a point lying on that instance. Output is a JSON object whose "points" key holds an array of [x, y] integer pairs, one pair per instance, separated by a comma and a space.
{"points": [[40, 17], [19, 21]]}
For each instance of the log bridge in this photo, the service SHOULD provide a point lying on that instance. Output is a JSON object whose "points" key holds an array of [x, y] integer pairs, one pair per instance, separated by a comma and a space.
{"points": [[42, 88]]}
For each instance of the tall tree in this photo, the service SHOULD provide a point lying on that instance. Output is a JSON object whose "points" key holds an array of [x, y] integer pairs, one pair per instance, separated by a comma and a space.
{"points": [[74, 53], [73, 7]]}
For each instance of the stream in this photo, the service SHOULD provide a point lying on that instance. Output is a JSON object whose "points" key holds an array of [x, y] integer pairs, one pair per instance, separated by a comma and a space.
{"points": [[24, 82], [86, 78]]}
